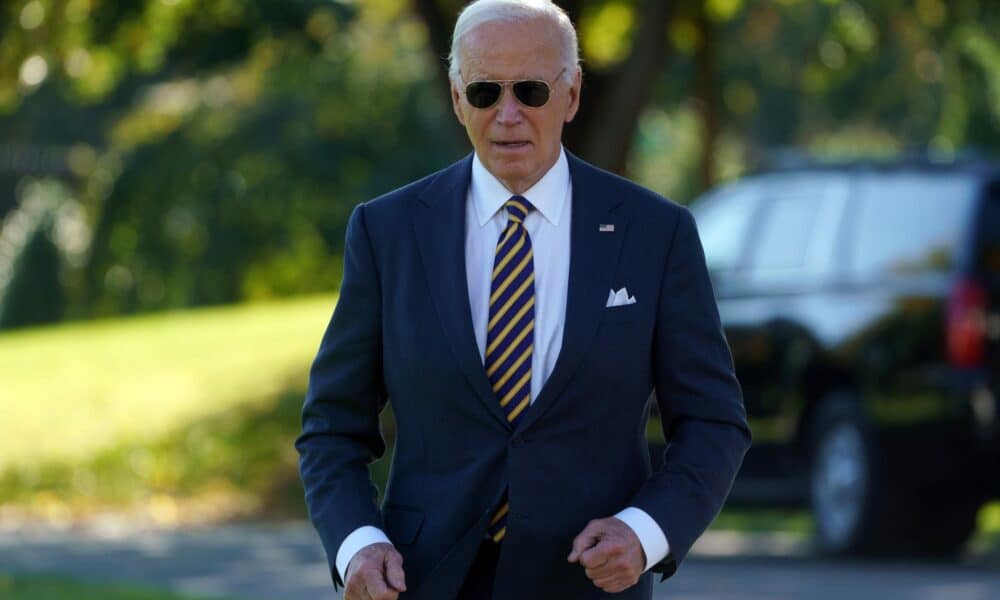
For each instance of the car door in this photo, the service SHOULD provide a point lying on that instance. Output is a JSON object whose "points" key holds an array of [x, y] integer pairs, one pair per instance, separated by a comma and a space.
{"points": [[772, 302]]}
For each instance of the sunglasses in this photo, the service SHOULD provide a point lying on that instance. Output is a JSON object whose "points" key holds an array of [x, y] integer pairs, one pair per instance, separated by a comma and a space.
{"points": [[533, 93]]}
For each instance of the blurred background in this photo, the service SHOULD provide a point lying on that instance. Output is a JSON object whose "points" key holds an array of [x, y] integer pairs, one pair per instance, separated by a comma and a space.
{"points": [[175, 180]]}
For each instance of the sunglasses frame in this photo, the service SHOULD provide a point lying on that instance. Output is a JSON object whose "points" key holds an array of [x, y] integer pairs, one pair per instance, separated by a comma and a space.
{"points": [[504, 83]]}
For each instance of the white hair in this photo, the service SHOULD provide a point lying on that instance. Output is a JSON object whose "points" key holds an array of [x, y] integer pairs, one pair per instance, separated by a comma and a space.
{"points": [[489, 11]]}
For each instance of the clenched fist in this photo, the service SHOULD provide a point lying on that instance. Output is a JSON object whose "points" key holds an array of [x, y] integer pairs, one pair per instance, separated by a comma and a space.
{"points": [[611, 554], [375, 573]]}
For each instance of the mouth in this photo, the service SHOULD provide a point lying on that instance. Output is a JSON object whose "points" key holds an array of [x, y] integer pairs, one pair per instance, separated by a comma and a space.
{"points": [[512, 144]]}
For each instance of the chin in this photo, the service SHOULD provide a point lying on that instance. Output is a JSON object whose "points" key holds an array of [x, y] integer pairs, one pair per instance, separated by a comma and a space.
{"points": [[509, 169]]}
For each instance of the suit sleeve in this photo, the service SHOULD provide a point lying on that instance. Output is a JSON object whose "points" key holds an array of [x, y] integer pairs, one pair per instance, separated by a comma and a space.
{"points": [[701, 405], [340, 426]]}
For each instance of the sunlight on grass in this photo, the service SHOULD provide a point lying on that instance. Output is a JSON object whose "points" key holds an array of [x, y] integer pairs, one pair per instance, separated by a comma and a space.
{"points": [[794, 521], [40, 587], [799, 522], [989, 518], [70, 391]]}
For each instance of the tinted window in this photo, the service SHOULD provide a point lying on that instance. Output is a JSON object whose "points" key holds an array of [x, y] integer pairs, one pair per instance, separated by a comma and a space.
{"points": [[799, 227], [723, 219], [785, 232], [911, 223]]}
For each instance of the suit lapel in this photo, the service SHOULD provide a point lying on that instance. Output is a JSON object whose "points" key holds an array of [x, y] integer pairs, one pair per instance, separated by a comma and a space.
{"points": [[439, 222], [593, 257]]}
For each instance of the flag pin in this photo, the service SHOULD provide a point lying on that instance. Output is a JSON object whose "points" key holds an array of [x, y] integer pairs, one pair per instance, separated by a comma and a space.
{"points": [[606, 227]]}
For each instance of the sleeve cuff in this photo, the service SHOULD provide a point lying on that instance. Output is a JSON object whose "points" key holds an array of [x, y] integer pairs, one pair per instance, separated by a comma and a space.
{"points": [[365, 535], [651, 537]]}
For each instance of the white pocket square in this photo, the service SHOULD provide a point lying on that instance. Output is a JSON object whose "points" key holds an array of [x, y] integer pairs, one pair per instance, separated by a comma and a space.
{"points": [[619, 298]]}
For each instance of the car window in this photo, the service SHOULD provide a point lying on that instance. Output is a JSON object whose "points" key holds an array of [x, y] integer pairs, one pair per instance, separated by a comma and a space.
{"points": [[800, 220], [785, 232], [723, 219], [911, 223]]}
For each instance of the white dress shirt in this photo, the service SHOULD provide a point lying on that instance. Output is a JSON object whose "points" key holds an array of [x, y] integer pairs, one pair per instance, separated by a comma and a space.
{"points": [[549, 229]]}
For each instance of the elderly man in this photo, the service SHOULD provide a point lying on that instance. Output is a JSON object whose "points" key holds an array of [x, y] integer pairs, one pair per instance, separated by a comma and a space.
{"points": [[517, 309]]}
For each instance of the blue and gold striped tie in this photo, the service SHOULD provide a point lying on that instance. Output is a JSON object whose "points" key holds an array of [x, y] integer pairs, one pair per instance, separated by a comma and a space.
{"points": [[510, 333]]}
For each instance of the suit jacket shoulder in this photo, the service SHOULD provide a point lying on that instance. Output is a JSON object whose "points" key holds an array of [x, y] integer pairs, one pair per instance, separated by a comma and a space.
{"points": [[649, 211]]}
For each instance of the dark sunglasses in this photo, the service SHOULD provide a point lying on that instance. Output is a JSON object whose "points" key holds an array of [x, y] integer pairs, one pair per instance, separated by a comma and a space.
{"points": [[532, 93]]}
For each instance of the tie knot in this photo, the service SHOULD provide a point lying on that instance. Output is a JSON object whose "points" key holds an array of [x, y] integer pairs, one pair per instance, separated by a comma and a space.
{"points": [[518, 208]]}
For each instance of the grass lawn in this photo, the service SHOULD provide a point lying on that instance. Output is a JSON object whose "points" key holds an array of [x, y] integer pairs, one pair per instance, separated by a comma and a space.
{"points": [[37, 587], [138, 378], [202, 402]]}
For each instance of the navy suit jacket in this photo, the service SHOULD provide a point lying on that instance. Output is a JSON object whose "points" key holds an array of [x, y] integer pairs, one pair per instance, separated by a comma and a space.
{"points": [[402, 332]]}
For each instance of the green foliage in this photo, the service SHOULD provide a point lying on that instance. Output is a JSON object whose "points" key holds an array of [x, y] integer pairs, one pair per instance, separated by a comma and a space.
{"points": [[235, 138], [30, 260], [33, 294], [244, 193], [801, 73], [605, 33], [40, 587]]}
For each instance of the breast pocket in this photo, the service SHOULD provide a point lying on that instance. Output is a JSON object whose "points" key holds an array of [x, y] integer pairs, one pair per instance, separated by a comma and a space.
{"points": [[625, 312]]}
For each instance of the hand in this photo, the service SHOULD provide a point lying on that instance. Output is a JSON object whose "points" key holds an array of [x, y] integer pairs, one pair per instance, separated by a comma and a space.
{"points": [[611, 554], [375, 573]]}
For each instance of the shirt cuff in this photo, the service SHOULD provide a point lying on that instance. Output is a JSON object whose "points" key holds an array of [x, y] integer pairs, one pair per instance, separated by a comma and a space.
{"points": [[366, 535], [651, 537]]}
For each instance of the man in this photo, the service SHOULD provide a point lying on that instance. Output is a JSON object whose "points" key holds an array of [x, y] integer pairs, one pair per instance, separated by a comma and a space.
{"points": [[517, 309]]}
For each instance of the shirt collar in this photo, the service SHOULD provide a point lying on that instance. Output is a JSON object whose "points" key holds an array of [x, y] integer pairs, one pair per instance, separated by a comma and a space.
{"points": [[548, 195]]}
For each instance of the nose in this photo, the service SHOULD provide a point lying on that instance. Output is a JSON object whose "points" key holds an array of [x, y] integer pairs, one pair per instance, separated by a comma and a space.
{"points": [[508, 110]]}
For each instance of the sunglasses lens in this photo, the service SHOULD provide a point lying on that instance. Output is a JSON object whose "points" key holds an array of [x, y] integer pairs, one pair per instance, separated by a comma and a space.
{"points": [[483, 94], [532, 93]]}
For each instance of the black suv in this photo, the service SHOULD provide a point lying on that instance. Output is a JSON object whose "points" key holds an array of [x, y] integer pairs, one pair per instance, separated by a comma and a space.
{"points": [[862, 306]]}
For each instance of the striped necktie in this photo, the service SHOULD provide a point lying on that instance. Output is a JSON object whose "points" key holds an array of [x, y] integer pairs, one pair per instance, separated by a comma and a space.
{"points": [[510, 332]]}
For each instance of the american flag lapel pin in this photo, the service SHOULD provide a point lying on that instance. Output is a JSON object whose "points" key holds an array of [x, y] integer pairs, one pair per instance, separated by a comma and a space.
{"points": [[606, 228]]}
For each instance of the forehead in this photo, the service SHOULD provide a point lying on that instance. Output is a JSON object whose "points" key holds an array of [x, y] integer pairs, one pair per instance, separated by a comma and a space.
{"points": [[512, 50]]}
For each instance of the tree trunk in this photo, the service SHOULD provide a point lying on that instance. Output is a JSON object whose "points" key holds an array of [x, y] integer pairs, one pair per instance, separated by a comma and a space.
{"points": [[708, 102]]}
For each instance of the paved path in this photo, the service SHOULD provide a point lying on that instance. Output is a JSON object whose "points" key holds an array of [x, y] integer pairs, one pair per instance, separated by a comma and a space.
{"points": [[286, 562]]}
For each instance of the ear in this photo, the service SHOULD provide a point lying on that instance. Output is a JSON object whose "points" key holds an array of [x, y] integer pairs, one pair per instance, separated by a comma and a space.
{"points": [[574, 95], [456, 104]]}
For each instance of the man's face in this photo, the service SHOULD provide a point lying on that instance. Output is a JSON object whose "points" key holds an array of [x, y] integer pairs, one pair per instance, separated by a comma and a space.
{"points": [[516, 143]]}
